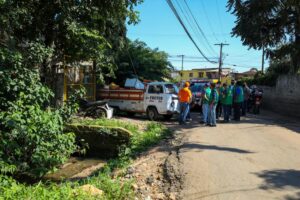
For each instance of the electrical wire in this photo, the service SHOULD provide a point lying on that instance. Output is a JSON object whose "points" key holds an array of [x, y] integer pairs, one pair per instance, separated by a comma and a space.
{"points": [[185, 29], [199, 28], [188, 19], [219, 17], [208, 21]]}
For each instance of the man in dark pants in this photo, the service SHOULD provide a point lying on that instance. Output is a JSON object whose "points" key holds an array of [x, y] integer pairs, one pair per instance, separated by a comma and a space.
{"points": [[238, 98], [185, 96], [247, 92], [219, 105], [231, 87], [226, 96]]}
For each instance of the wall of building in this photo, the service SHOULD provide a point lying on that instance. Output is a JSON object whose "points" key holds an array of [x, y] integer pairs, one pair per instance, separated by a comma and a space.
{"points": [[285, 97]]}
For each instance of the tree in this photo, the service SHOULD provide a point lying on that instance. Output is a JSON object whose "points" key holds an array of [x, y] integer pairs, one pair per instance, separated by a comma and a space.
{"points": [[273, 24], [137, 59], [74, 30]]}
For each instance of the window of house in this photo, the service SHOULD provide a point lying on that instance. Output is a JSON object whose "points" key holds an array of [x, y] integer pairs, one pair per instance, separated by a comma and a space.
{"points": [[200, 74], [191, 74], [209, 75]]}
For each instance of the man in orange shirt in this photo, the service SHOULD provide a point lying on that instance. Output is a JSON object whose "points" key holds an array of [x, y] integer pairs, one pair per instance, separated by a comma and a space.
{"points": [[185, 96]]}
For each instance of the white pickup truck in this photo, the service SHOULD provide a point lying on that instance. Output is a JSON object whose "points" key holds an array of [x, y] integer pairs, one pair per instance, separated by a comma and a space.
{"points": [[158, 98]]}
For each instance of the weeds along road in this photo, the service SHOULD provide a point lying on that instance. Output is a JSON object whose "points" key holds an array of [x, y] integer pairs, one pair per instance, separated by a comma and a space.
{"points": [[257, 158]]}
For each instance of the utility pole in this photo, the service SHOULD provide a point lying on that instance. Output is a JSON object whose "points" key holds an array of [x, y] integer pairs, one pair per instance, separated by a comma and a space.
{"points": [[182, 57], [263, 59], [220, 58]]}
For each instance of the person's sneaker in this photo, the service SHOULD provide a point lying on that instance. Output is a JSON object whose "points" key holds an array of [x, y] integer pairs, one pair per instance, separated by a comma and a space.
{"points": [[212, 125], [189, 119]]}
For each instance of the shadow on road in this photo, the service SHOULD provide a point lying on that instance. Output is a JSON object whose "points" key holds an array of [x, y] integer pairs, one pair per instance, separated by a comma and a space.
{"points": [[188, 146], [272, 119], [280, 179]]}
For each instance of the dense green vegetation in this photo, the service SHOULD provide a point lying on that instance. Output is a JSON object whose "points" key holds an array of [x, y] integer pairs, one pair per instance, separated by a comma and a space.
{"points": [[34, 37], [112, 188], [277, 67], [139, 60], [274, 25], [32, 141]]}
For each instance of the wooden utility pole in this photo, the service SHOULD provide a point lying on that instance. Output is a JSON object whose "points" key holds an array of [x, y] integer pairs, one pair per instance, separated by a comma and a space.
{"points": [[220, 58]]}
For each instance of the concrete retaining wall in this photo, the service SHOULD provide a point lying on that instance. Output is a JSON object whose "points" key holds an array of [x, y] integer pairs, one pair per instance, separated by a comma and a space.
{"points": [[285, 97]]}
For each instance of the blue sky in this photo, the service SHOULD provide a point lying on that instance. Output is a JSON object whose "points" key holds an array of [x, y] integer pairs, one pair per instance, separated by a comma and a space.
{"points": [[159, 28]]}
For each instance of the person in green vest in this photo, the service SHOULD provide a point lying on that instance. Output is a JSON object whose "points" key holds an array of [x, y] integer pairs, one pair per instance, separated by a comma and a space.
{"points": [[213, 101], [238, 99], [205, 104], [219, 105], [226, 100]]}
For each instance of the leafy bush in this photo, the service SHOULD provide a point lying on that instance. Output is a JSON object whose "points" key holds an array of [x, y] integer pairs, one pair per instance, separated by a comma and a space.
{"points": [[71, 106], [31, 134], [276, 68]]}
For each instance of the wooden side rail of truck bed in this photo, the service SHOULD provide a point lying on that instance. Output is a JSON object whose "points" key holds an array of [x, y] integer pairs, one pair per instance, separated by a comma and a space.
{"points": [[122, 94]]}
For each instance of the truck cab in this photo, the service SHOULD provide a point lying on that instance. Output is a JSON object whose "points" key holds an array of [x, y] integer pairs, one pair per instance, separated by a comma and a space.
{"points": [[161, 99], [157, 99]]}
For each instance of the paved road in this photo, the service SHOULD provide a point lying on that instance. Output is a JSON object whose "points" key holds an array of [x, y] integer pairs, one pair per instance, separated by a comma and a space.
{"points": [[258, 158]]}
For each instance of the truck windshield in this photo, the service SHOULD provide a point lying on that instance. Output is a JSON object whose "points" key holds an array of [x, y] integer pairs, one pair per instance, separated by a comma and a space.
{"points": [[171, 89]]}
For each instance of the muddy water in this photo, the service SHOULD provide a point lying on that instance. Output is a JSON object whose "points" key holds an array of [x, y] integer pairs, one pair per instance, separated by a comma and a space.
{"points": [[76, 168]]}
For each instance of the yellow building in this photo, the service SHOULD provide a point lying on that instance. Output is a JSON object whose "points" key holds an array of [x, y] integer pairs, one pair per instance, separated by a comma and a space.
{"points": [[211, 74]]}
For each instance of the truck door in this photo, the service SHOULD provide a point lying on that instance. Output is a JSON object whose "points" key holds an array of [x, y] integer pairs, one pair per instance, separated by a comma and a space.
{"points": [[153, 96]]}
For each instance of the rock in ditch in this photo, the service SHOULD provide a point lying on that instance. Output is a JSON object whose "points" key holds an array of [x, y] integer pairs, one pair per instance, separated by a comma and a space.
{"points": [[90, 189]]}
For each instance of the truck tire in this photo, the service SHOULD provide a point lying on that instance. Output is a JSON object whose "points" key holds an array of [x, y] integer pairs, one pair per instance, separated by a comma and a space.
{"points": [[152, 113], [100, 113], [168, 117]]}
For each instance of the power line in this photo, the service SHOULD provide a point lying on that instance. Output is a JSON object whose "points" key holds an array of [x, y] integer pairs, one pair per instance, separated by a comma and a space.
{"points": [[218, 12], [199, 28], [190, 61], [191, 57], [187, 17], [208, 20], [185, 29]]}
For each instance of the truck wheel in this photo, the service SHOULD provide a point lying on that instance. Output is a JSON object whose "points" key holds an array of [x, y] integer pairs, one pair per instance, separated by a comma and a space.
{"points": [[152, 114], [168, 117], [100, 113]]}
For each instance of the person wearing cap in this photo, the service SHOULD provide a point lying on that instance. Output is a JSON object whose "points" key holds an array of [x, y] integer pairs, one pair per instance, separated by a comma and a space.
{"points": [[185, 97], [213, 101], [205, 104]]}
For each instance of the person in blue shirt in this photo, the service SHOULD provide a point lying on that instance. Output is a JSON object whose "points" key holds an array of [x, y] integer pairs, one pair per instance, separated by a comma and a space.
{"points": [[238, 99]]}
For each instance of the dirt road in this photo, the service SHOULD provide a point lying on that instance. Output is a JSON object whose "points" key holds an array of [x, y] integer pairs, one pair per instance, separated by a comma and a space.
{"points": [[257, 158]]}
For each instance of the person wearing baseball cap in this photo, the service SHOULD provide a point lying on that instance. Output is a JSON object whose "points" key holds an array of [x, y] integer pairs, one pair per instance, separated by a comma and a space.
{"points": [[185, 97]]}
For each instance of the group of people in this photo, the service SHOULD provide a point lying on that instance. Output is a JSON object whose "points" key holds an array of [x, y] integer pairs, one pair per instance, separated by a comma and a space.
{"points": [[231, 100]]}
